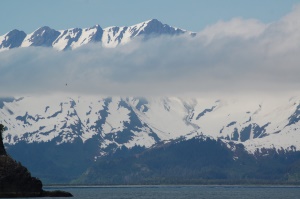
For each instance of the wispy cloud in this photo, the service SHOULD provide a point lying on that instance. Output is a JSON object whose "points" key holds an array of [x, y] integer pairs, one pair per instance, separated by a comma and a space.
{"points": [[238, 56]]}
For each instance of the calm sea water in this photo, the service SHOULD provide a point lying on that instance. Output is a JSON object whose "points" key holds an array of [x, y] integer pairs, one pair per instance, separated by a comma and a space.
{"points": [[183, 192]]}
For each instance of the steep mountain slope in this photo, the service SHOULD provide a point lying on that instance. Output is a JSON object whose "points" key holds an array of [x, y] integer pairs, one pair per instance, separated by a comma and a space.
{"points": [[199, 160], [76, 37]]}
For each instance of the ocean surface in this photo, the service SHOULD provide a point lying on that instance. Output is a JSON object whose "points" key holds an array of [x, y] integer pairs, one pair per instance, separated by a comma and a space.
{"points": [[181, 192]]}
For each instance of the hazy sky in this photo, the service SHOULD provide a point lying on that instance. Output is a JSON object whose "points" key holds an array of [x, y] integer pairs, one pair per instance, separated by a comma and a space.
{"points": [[230, 56], [192, 15]]}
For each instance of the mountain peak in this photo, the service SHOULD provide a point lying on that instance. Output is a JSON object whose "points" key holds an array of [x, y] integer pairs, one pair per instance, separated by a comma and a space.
{"points": [[12, 39], [44, 28], [156, 27], [43, 36], [96, 26], [154, 21]]}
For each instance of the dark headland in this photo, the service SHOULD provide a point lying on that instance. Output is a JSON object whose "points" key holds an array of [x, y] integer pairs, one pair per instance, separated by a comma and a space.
{"points": [[16, 181]]}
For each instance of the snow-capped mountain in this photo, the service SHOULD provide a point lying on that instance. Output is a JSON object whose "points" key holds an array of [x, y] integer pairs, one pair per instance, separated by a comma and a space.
{"points": [[66, 132], [118, 121], [76, 37], [138, 121]]}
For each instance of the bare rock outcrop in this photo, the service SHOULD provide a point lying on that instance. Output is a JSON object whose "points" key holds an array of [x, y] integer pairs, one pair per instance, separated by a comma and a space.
{"points": [[16, 180]]}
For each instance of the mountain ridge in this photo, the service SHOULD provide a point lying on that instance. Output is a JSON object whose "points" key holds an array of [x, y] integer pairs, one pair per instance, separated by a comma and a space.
{"points": [[75, 37], [130, 121]]}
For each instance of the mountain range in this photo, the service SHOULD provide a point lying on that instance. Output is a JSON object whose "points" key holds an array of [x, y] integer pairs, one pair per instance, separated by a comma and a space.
{"points": [[76, 37], [130, 121], [52, 134]]}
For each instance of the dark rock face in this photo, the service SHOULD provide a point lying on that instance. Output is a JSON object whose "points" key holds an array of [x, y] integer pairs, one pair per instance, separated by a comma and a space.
{"points": [[97, 37], [13, 39], [16, 180], [44, 36], [2, 149]]}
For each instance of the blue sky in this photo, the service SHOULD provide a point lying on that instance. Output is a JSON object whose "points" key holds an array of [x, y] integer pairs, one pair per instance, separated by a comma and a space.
{"points": [[192, 15]]}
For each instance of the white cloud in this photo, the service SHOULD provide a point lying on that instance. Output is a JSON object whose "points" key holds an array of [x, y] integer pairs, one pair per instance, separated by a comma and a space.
{"points": [[236, 27], [238, 56]]}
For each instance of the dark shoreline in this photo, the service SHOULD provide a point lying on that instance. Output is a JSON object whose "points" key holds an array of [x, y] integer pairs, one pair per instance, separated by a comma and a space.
{"points": [[52, 186], [36, 194]]}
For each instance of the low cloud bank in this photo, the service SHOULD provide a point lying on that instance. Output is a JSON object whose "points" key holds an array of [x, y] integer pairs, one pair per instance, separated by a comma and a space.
{"points": [[234, 57]]}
